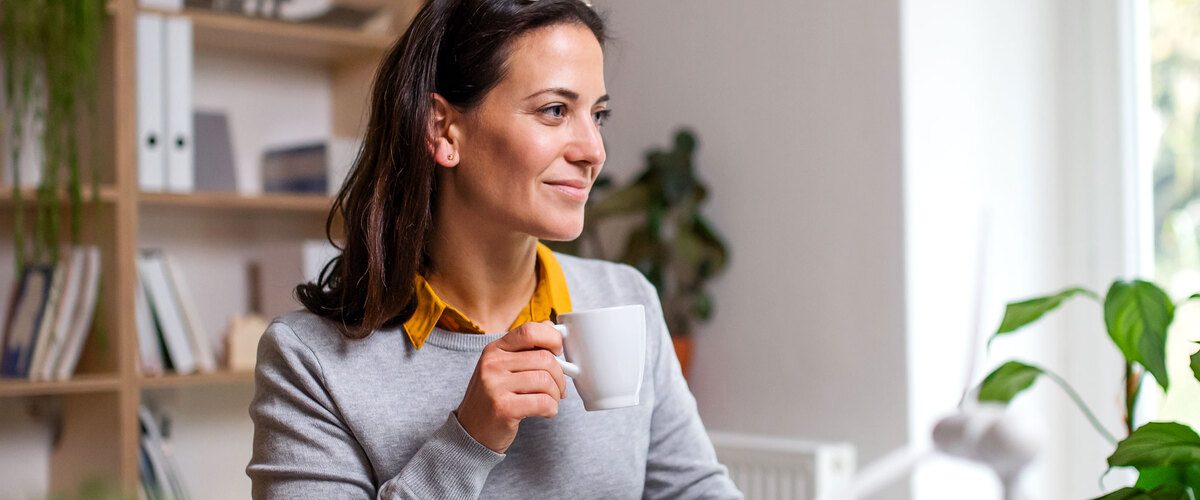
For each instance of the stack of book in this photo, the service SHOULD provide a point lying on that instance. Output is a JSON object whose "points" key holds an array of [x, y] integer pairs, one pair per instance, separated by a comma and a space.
{"points": [[160, 478], [170, 334], [49, 315]]}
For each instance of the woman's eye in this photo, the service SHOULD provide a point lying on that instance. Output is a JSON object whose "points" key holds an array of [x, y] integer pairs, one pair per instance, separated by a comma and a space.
{"points": [[558, 107], [602, 116]]}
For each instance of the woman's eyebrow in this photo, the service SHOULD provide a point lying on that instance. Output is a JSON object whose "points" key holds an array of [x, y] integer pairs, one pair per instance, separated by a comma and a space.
{"points": [[566, 93]]}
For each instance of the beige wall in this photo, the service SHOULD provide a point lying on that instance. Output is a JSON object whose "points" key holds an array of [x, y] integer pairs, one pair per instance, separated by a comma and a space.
{"points": [[797, 105]]}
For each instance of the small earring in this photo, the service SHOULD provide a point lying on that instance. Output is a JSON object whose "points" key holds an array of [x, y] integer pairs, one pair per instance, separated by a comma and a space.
{"points": [[450, 157]]}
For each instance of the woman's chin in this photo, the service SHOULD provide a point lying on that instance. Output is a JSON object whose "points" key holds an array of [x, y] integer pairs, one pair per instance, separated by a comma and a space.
{"points": [[561, 232]]}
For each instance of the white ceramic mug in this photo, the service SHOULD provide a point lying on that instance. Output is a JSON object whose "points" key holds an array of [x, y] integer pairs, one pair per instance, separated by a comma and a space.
{"points": [[606, 354]]}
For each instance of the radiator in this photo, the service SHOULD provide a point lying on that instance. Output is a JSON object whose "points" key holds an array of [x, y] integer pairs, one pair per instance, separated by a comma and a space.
{"points": [[771, 468]]}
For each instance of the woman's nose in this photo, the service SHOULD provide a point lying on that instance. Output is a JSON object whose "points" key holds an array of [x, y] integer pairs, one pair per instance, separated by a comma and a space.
{"points": [[587, 146]]}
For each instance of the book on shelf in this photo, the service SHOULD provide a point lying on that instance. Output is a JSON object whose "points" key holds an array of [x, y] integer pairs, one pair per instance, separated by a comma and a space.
{"points": [[158, 473], [150, 348], [312, 167], [50, 342], [49, 316], [85, 312], [185, 346]]}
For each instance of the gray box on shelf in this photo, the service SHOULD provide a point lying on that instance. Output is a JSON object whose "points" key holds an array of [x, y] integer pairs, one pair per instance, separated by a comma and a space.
{"points": [[215, 170]]}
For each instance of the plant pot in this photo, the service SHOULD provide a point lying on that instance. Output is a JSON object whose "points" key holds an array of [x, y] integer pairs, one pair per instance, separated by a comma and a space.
{"points": [[683, 351]]}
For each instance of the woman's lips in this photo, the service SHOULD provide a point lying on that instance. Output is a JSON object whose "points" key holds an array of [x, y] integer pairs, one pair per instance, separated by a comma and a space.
{"points": [[577, 191]]}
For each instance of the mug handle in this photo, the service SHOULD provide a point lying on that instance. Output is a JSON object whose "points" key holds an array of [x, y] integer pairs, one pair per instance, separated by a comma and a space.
{"points": [[569, 369]]}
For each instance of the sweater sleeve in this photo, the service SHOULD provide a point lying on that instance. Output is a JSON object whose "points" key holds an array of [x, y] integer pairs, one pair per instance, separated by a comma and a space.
{"points": [[303, 449], [681, 462]]}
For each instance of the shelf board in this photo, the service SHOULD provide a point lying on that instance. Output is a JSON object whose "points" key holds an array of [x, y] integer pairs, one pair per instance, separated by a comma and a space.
{"points": [[227, 31], [79, 384], [108, 194], [232, 201], [171, 380]]}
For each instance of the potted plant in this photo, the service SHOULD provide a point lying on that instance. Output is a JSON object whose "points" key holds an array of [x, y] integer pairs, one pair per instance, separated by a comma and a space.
{"points": [[670, 241], [1137, 315], [49, 51]]}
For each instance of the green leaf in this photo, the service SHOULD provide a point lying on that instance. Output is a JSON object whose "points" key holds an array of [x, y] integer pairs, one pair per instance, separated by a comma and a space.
{"points": [[1125, 494], [1164, 492], [1005, 382], [1152, 477], [1019, 314], [1137, 314], [1191, 477], [1196, 367], [1158, 444]]}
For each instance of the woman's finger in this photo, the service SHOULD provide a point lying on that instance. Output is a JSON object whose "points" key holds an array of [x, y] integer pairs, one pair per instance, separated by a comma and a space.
{"points": [[532, 336], [534, 382], [530, 405], [539, 360]]}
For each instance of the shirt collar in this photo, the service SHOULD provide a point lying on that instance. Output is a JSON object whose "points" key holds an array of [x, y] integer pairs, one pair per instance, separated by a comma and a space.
{"points": [[550, 298]]}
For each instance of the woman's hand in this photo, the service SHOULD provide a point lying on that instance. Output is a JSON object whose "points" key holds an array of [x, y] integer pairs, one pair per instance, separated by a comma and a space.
{"points": [[516, 377]]}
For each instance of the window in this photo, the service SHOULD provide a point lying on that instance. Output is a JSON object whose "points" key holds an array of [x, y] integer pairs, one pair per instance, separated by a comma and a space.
{"points": [[1174, 126]]}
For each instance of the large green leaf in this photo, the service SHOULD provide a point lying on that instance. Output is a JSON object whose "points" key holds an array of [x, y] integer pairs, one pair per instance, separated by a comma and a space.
{"points": [[1019, 314], [1153, 477], [1137, 314], [1158, 444], [1164, 492], [1191, 477], [1196, 365], [1005, 382]]}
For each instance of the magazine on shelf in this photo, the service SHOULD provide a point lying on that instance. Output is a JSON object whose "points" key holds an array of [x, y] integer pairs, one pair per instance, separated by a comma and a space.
{"points": [[59, 323], [150, 348], [164, 480], [67, 357], [25, 316], [206, 361], [166, 312]]}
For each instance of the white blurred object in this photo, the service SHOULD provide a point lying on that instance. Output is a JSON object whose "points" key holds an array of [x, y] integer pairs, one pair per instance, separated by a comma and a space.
{"points": [[163, 5], [298, 10], [769, 468], [983, 433]]}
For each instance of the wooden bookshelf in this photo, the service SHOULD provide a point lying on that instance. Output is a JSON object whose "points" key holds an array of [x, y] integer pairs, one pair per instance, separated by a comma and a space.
{"points": [[316, 204], [106, 194], [283, 39], [100, 405], [174, 381], [77, 385]]}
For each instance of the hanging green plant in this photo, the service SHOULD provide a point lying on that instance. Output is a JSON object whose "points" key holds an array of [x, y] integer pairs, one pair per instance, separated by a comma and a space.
{"points": [[49, 50]]}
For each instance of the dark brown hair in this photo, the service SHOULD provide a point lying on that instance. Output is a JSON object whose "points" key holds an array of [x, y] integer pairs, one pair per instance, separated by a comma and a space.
{"points": [[458, 49]]}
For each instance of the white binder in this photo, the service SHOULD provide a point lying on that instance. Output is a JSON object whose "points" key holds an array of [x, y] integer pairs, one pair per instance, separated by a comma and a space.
{"points": [[177, 61], [152, 154]]}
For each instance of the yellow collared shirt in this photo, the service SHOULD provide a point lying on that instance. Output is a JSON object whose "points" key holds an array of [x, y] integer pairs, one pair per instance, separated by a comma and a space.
{"points": [[550, 298]]}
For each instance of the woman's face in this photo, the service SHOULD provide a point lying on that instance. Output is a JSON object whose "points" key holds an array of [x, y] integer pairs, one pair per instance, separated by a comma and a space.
{"points": [[527, 156]]}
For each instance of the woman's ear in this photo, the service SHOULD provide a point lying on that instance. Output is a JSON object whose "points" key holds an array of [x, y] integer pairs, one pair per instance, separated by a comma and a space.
{"points": [[443, 132]]}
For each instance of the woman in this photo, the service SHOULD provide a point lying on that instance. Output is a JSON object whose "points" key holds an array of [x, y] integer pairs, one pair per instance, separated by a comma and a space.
{"points": [[484, 137]]}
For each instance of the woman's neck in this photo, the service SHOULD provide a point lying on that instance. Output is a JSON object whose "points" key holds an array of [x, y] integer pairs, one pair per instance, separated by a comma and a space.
{"points": [[487, 275]]}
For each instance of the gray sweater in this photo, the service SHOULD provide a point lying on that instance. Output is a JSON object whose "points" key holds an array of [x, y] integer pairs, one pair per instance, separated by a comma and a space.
{"points": [[372, 418]]}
